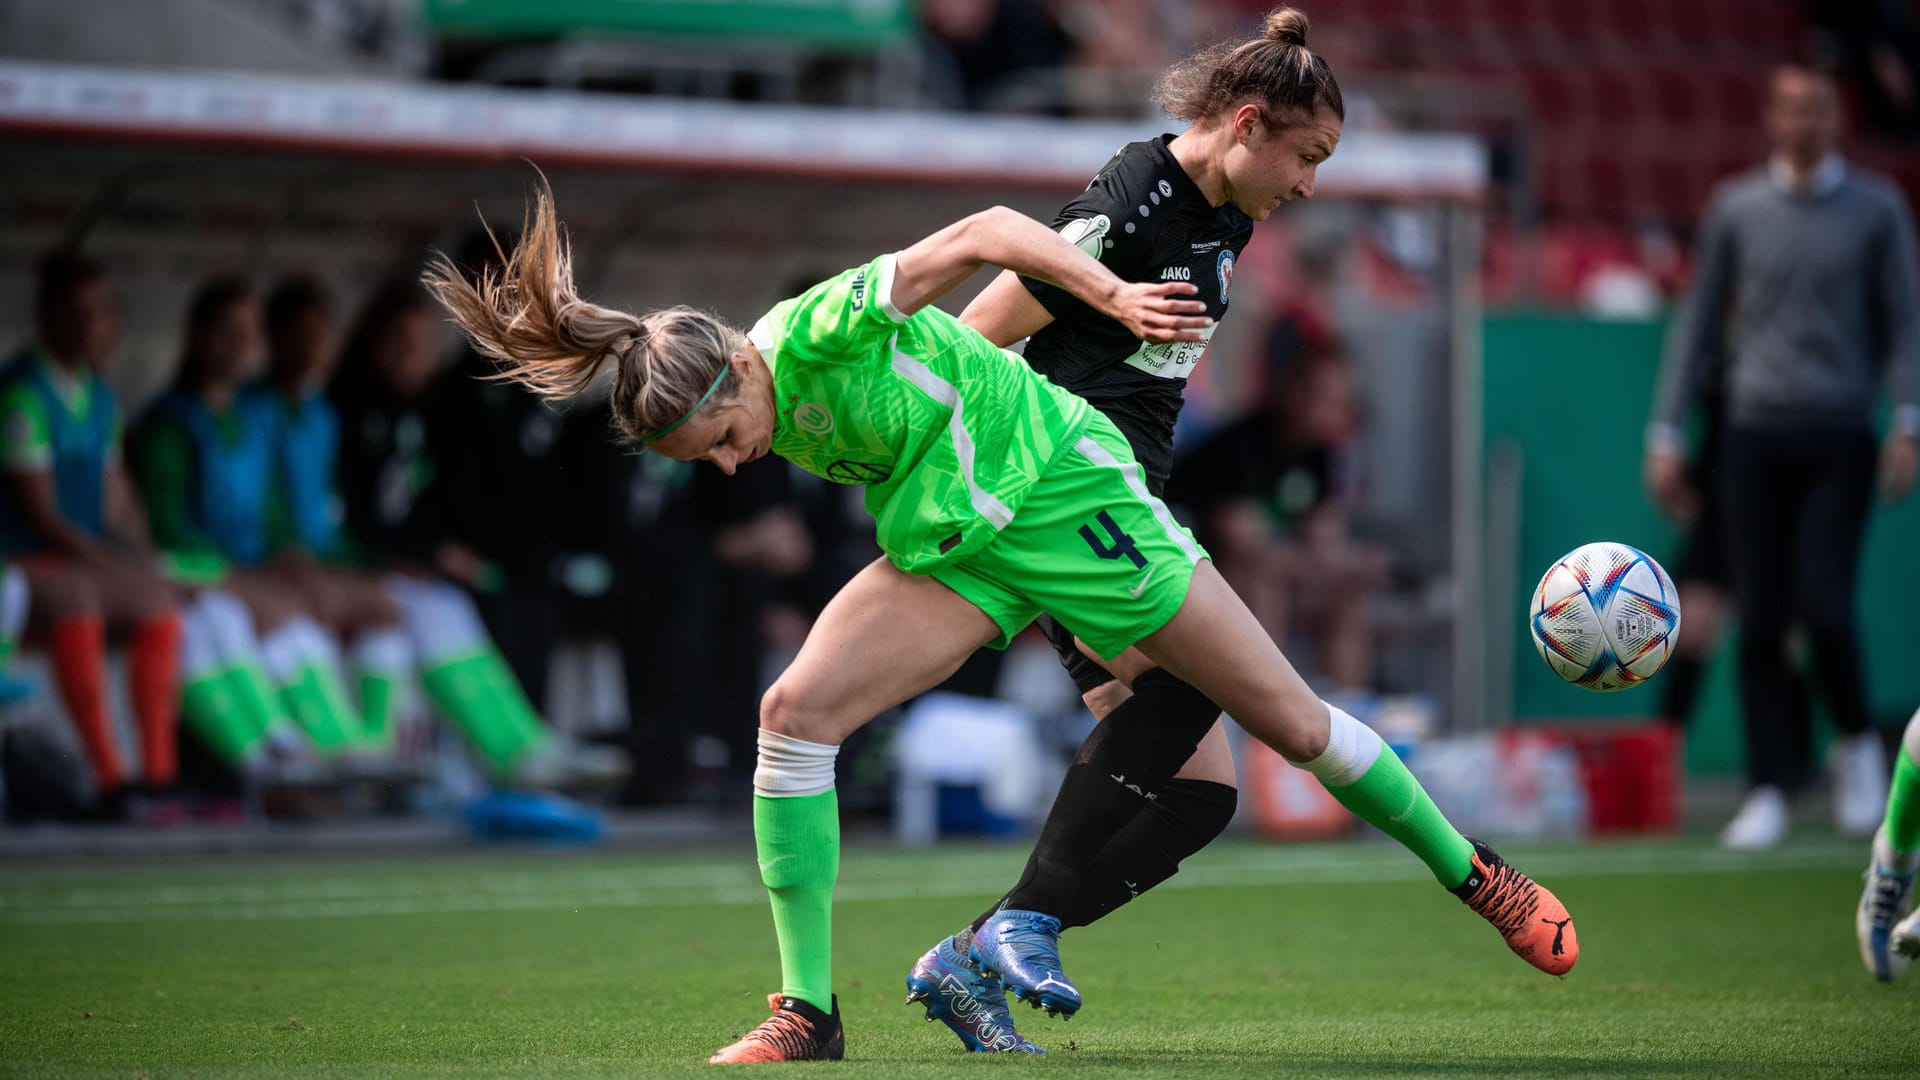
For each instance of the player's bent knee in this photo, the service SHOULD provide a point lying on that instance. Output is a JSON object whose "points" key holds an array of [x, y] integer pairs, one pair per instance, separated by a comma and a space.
{"points": [[786, 709]]}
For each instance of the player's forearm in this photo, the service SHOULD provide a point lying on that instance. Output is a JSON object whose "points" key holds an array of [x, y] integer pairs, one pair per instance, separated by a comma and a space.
{"points": [[1009, 239], [997, 237]]}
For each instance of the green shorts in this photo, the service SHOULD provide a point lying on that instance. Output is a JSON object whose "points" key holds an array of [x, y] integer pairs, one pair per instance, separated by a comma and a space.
{"points": [[1089, 546]]}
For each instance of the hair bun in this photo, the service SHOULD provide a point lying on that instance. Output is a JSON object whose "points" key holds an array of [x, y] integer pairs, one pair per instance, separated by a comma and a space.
{"points": [[1286, 25]]}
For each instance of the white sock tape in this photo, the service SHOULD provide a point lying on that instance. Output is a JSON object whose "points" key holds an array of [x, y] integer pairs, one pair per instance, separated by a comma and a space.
{"points": [[790, 768], [1352, 748]]}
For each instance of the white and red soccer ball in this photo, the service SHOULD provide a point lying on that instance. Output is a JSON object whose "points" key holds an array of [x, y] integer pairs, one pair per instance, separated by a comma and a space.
{"points": [[1605, 616]]}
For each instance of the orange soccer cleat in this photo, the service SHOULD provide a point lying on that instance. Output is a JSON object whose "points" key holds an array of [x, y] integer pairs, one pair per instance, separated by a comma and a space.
{"points": [[1534, 921], [795, 1032]]}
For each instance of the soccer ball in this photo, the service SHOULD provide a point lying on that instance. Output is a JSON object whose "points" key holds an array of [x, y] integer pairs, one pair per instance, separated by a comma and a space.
{"points": [[1605, 616]]}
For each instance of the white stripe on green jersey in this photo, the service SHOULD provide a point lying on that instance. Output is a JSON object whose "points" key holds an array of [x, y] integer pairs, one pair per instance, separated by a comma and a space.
{"points": [[947, 431]]}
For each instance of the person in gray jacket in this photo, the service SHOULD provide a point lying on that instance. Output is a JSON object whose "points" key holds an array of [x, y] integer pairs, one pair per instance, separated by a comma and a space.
{"points": [[1805, 301]]}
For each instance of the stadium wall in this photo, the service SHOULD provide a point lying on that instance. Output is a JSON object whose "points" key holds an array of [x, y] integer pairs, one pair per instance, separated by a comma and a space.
{"points": [[1566, 401]]}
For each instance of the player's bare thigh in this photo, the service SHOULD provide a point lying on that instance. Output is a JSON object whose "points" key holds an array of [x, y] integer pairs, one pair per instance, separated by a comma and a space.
{"points": [[884, 637], [1214, 643]]}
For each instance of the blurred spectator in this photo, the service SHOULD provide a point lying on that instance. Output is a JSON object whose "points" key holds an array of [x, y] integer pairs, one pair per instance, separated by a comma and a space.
{"points": [[309, 548], [1878, 44], [1000, 55], [1704, 577], [203, 457], [757, 545], [13, 622], [383, 393], [70, 522], [1806, 297], [1271, 494], [630, 540]]}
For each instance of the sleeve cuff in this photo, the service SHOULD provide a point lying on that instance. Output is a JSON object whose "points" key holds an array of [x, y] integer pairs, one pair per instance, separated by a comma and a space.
{"points": [[883, 289], [1663, 438]]}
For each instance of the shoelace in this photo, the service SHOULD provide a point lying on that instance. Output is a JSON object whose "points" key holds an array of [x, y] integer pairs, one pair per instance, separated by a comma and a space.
{"points": [[1507, 900], [1888, 891], [1033, 936]]}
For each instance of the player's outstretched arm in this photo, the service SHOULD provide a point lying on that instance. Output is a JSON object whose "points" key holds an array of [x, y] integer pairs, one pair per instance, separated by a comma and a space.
{"points": [[1154, 312]]}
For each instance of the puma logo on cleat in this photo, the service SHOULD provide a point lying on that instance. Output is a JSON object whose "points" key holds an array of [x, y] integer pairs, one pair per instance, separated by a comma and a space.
{"points": [[1559, 931], [1053, 981]]}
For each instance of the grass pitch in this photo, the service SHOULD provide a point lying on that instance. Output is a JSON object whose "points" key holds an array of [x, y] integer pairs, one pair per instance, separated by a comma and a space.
{"points": [[1256, 961]]}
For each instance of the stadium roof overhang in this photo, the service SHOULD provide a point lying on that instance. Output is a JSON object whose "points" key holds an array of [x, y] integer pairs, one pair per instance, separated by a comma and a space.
{"points": [[432, 122]]}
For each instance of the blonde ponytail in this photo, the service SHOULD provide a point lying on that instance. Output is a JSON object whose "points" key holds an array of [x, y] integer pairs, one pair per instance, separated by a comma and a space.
{"points": [[546, 338], [527, 316]]}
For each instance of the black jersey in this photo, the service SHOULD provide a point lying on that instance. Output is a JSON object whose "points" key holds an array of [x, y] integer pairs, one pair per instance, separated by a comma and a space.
{"points": [[1145, 219]]}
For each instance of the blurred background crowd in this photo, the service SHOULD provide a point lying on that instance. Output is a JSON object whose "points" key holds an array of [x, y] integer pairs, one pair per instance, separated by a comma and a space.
{"points": [[388, 574]]}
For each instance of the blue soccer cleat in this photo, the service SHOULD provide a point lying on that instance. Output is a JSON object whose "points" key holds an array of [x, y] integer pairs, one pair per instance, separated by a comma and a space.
{"points": [[1022, 948], [965, 1000], [1885, 901]]}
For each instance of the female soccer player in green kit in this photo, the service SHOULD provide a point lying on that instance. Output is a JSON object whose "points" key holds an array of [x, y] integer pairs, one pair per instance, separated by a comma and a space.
{"points": [[996, 496]]}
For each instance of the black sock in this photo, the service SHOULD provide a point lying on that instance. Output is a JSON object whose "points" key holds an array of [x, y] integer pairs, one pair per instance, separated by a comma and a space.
{"points": [[1118, 771], [1185, 818]]}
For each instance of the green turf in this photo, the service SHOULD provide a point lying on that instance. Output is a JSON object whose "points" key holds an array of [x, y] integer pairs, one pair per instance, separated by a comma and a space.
{"points": [[1258, 961]]}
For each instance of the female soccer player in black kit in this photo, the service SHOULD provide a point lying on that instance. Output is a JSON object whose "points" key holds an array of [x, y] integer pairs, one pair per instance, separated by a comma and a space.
{"points": [[1265, 112]]}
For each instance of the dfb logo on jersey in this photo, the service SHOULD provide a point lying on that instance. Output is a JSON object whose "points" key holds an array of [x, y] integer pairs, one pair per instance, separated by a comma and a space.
{"points": [[1089, 234], [1225, 269]]}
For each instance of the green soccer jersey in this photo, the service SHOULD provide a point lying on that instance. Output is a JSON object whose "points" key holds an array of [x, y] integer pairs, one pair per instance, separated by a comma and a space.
{"points": [[947, 431]]}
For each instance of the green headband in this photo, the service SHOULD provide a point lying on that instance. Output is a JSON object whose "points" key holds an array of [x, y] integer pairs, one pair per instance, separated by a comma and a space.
{"points": [[688, 415]]}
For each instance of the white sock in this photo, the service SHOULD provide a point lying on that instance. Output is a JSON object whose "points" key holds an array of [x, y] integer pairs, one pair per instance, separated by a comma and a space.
{"points": [[199, 645], [382, 651]]}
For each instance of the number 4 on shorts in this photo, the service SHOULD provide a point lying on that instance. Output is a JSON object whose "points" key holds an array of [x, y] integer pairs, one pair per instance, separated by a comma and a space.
{"points": [[1122, 545]]}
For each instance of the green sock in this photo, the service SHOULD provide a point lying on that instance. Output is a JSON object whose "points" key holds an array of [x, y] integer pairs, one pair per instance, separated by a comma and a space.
{"points": [[8, 647], [799, 847], [377, 691], [507, 695], [465, 691], [319, 705], [1903, 804], [254, 689], [1391, 800], [212, 706]]}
